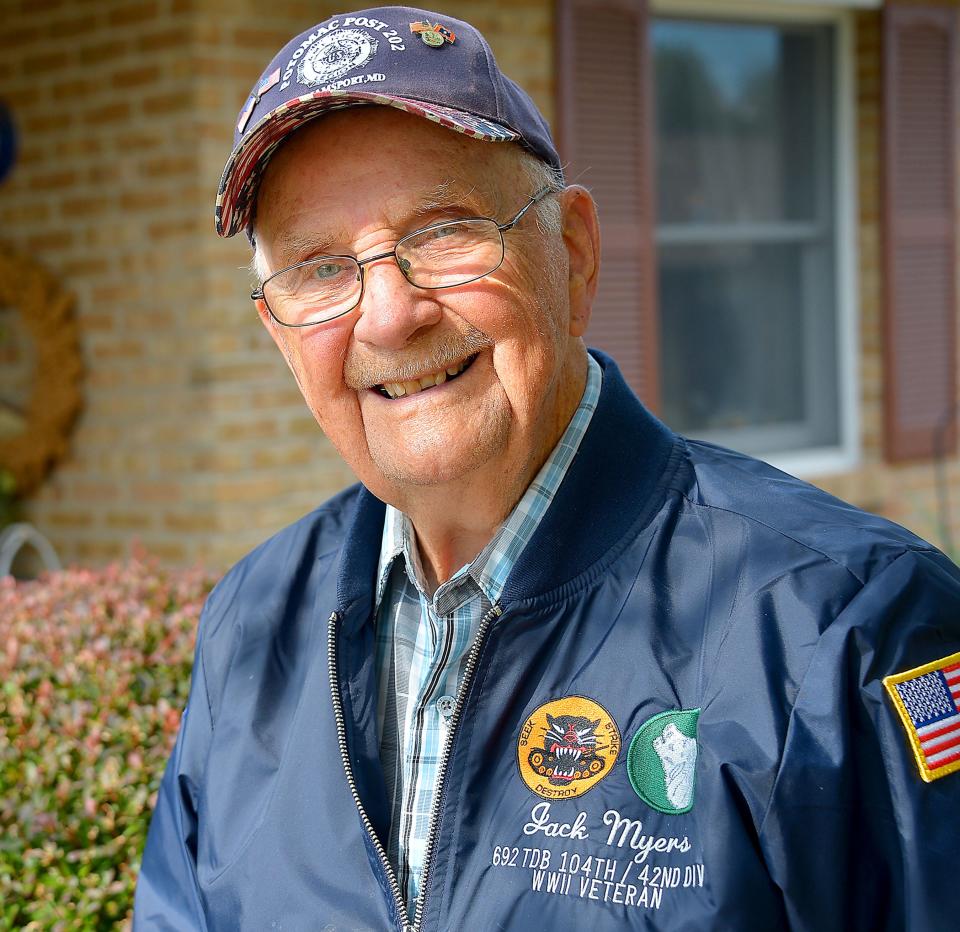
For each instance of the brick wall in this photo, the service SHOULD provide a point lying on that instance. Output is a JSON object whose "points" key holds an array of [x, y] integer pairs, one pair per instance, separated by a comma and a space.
{"points": [[194, 440], [102, 96]]}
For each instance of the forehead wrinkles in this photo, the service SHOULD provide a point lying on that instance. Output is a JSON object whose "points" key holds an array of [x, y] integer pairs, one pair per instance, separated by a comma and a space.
{"points": [[399, 214], [453, 192]]}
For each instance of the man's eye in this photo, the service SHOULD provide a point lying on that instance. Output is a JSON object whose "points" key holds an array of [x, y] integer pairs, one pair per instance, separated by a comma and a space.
{"points": [[450, 234], [326, 271], [444, 232]]}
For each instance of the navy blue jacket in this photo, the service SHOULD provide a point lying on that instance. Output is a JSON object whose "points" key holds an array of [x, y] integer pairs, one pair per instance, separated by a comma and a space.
{"points": [[667, 575]]}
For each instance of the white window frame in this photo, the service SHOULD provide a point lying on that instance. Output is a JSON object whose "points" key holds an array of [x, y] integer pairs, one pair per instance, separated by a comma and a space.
{"points": [[846, 455]]}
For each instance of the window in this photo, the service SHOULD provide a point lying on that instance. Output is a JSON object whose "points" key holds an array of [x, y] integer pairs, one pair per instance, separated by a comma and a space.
{"points": [[747, 237]]}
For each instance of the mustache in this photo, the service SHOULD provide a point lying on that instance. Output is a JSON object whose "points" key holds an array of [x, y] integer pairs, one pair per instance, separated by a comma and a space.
{"points": [[429, 355]]}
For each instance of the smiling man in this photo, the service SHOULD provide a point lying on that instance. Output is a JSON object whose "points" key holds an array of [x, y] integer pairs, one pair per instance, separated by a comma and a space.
{"points": [[423, 389], [549, 665]]}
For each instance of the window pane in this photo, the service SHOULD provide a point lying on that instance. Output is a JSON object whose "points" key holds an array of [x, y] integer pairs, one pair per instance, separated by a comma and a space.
{"points": [[746, 242], [736, 107], [738, 352]]}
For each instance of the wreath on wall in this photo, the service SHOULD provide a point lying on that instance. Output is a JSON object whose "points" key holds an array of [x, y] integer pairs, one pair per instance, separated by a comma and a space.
{"points": [[40, 429]]}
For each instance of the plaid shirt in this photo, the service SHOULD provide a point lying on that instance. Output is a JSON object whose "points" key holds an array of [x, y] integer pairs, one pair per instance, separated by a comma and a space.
{"points": [[423, 644]]}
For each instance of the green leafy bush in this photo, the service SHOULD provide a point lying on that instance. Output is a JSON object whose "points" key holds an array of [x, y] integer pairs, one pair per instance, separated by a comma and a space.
{"points": [[94, 670]]}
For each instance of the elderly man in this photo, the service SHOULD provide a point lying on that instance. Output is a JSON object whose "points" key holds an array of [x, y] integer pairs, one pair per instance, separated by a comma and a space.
{"points": [[550, 666]]}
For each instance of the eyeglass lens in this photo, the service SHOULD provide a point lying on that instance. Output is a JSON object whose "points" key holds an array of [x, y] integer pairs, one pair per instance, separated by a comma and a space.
{"points": [[441, 256]]}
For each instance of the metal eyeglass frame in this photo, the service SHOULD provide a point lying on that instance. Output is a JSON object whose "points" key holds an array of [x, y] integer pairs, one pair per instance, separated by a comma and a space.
{"points": [[502, 228]]}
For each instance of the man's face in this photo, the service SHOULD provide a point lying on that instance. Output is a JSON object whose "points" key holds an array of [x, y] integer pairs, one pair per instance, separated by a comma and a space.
{"points": [[355, 182]]}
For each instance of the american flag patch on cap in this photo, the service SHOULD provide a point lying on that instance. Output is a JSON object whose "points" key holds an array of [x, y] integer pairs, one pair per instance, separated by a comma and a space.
{"points": [[928, 700]]}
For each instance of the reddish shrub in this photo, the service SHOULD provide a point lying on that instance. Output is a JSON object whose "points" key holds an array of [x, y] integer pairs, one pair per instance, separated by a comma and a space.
{"points": [[94, 670]]}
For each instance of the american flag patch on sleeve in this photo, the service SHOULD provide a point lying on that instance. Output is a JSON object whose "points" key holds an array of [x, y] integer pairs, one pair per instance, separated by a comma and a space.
{"points": [[928, 701]]}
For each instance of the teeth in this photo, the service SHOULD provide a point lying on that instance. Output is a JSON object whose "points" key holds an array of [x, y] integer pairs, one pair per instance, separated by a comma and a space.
{"points": [[411, 387]]}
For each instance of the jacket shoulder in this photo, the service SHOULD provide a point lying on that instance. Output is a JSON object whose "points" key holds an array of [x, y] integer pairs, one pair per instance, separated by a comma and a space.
{"points": [[270, 597], [743, 487], [288, 555]]}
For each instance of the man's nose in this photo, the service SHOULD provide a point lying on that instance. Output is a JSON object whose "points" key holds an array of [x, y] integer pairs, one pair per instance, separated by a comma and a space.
{"points": [[393, 312]]}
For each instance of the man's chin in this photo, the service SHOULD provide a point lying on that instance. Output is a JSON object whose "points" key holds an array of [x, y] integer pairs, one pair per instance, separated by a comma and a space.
{"points": [[440, 449], [423, 471]]}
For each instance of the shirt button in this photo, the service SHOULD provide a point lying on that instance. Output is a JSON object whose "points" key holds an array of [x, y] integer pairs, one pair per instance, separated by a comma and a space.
{"points": [[445, 705]]}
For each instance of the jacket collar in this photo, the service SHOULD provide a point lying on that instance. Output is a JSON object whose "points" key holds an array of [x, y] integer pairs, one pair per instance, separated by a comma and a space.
{"points": [[615, 484]]}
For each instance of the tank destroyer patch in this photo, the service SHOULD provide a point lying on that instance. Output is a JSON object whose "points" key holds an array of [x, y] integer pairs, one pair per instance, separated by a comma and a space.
{"points": [[662, 761], [566, 747], [927, 700]]}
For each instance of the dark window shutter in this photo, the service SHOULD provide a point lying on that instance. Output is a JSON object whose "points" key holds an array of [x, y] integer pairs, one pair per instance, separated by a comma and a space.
{"points": [[920, 164], [604, 135]]}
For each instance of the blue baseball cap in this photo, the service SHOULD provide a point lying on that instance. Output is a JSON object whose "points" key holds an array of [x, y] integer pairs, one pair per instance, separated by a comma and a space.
{"points": [[425, 63]]}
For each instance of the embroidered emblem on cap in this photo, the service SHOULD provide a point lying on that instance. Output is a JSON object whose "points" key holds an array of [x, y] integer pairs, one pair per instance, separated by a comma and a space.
{"points": [[928, 702], [662, 761], [334, 54], [566, 747], [433, 34]]}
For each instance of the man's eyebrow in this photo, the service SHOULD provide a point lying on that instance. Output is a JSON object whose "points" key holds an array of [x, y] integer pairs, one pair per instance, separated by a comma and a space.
{"points": [[453, 193], [293, 244]]}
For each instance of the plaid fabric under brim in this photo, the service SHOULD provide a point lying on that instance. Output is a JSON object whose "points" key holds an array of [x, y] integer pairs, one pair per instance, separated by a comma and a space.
{"points": [[241, 175]]}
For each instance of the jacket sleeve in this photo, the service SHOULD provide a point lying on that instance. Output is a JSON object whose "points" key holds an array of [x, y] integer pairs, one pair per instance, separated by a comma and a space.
{"points": [[853, 836], [168, 895]]}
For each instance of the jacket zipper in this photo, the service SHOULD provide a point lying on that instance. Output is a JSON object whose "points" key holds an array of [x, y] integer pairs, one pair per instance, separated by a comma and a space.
{"points": [[351, 782], [469, 668]]}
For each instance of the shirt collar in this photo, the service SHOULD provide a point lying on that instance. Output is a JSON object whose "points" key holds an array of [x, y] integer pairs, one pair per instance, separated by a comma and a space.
{"points": [[491, 567]]}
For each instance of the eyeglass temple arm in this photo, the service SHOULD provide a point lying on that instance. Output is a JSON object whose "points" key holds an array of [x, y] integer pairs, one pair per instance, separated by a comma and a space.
{"points": [[539, 196]]}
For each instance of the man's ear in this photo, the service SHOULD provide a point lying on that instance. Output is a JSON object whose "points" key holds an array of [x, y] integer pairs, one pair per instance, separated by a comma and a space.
{"points": [[273, 328], [581, 236], [265, 317]]}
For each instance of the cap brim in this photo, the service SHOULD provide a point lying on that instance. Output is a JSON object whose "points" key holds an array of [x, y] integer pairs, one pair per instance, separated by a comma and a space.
{"points": [[241, 175]]}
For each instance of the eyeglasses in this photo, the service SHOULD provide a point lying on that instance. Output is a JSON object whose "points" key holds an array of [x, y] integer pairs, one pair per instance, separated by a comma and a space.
{"points": [[442, 255]]}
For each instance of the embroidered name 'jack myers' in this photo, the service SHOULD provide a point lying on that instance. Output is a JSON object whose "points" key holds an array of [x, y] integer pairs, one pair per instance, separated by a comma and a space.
{"points": [[927, 699]]}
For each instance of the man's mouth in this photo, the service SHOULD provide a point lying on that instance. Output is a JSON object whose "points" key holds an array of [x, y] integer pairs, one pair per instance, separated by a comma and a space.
{"points": [[413, 386]]}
